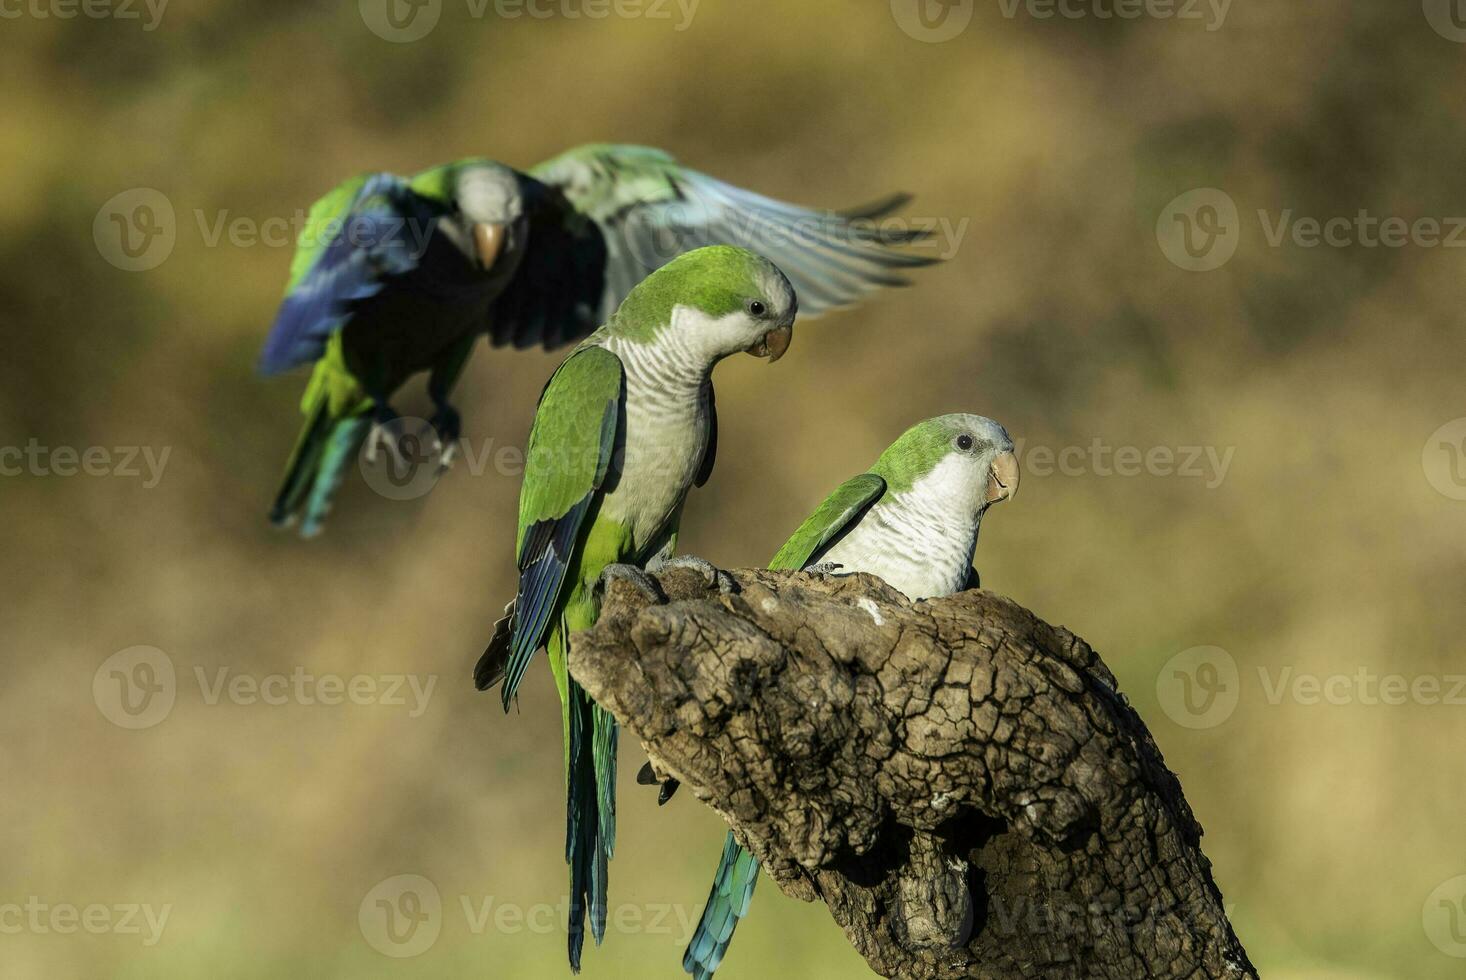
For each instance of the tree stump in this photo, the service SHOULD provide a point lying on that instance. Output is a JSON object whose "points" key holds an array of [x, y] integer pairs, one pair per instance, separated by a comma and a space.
{"points": [[962, 784]]}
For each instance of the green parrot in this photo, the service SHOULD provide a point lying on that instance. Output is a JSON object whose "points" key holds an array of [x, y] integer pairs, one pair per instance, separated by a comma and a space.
{"points": [[394, 276], [625, 426], [912, 520]]}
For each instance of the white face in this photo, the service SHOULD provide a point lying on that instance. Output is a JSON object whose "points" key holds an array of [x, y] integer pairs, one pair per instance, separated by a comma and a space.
{"points": [[978, 470], [763, 327], [489, 195]]}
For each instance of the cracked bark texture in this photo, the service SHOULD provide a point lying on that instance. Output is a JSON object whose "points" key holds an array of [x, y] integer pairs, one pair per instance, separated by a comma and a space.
{"points": [[961, 783]]}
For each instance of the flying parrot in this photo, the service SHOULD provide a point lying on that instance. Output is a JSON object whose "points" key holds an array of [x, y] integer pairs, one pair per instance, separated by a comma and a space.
{"points": [[625, 426], [394, 275], [913, 521]]}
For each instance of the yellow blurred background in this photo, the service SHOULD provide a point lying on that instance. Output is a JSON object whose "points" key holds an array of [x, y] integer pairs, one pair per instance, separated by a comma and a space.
{"points": [[1330, 543]]}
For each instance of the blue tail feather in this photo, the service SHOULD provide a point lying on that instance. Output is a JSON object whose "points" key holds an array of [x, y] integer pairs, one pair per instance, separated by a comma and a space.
{"points": [[319, 463], [728, 903], [590, 826]]}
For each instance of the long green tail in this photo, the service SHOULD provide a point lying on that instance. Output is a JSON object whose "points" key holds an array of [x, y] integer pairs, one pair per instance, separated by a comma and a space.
{"points": [[323, 454], [590, 817], [727, 903]]}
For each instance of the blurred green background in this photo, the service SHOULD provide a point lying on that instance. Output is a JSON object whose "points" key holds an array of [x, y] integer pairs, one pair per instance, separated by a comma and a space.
{"points": [[1331, 545]]}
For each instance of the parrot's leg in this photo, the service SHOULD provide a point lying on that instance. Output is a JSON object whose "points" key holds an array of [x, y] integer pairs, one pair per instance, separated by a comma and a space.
{"points": [[824, 568], [444, 375], [632, 574], [710, 573], [385, 434]]}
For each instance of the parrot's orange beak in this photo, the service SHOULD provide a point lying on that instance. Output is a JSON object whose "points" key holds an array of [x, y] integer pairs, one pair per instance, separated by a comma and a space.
{"points": [[488, 241], [1003, 480], [773, 344]]}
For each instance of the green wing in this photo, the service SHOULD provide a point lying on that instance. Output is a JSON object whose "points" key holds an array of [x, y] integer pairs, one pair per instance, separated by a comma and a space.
{"points": [[570, 449], [839, 512], [326, 215], [604, 216]]}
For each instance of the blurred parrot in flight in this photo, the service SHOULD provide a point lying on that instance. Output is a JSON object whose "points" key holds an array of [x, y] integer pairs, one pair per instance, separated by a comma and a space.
{"points": [[913, 521], [397, 275], [625, 426]]}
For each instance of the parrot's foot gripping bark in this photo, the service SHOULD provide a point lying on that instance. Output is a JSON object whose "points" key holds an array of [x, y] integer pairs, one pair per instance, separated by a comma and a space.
{"points": [[630, 573], [647, 776], [448, 424], [711, 574], [825, 568]]}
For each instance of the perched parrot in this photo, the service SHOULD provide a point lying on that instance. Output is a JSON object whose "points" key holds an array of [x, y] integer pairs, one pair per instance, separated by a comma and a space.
{"points": [[913, 521], [397, 275], [626, 425]]}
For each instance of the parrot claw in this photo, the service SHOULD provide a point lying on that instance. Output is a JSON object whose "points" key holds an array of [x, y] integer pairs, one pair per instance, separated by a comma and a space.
{"points": [[385, 435], [448, 424], [711, 574], [630, 573], [666, 788], [825, 568]]}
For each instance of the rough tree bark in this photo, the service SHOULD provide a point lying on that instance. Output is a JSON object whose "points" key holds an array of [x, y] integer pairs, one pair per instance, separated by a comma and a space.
{"points": [[961, 783]]}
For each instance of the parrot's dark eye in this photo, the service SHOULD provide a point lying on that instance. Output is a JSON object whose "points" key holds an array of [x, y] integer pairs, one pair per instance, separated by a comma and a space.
{"points": [[757, 308], [964, 442]]}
